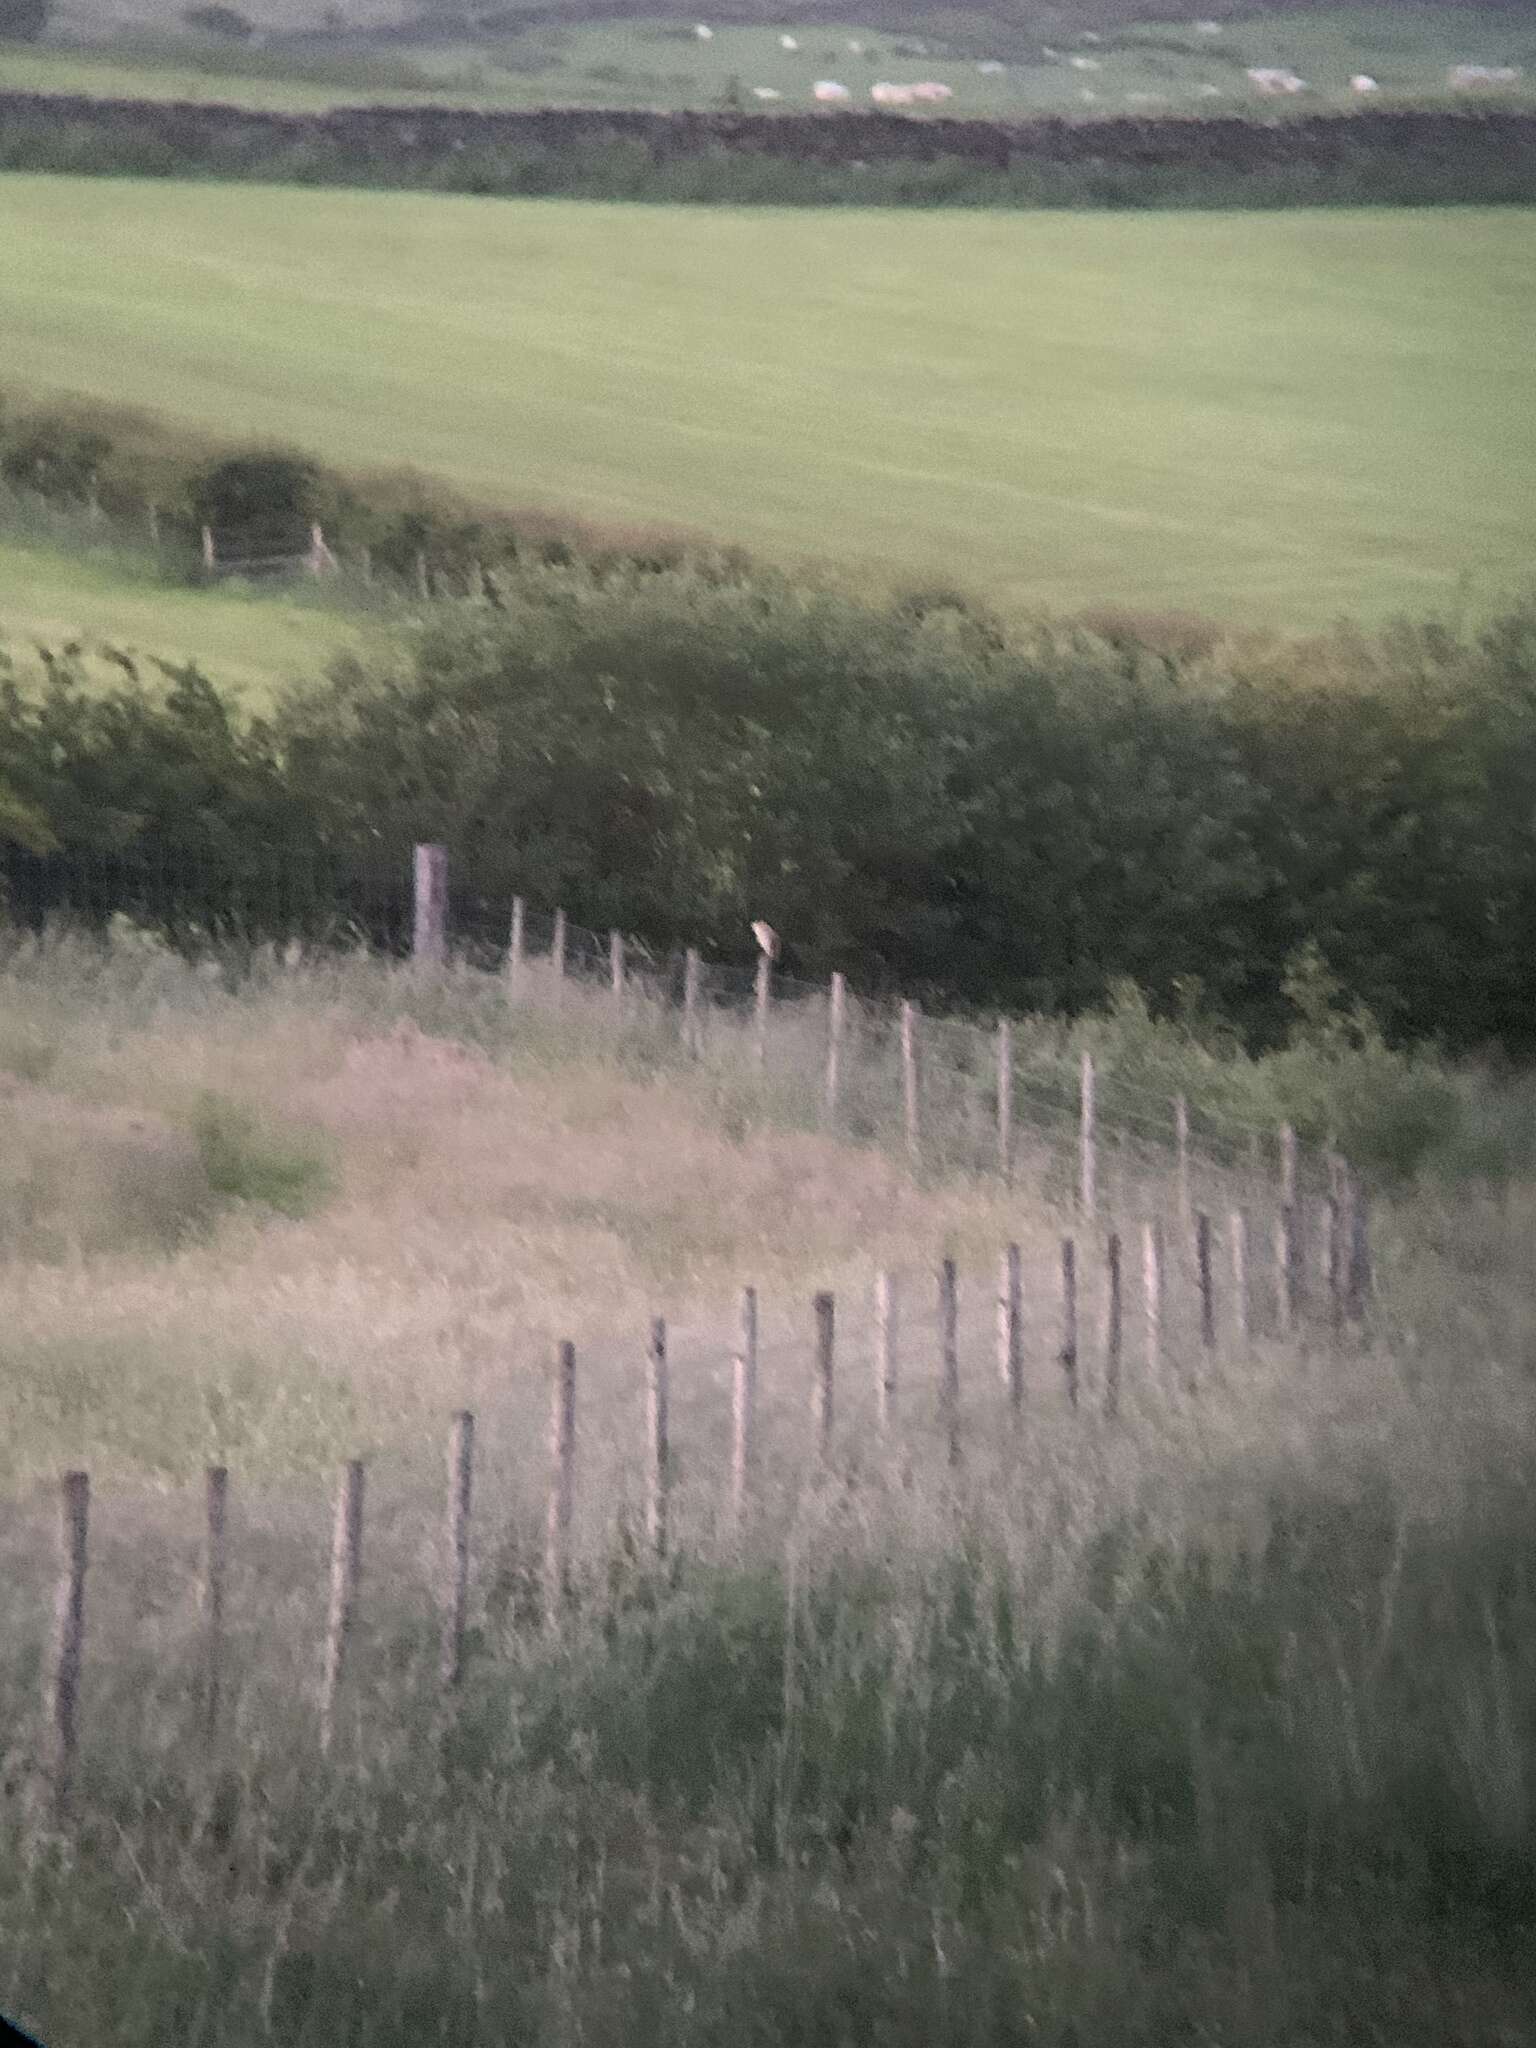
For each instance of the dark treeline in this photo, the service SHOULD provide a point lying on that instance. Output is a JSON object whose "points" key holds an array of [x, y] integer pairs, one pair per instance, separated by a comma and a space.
{"points": [[1400, 156], [911, 793]]}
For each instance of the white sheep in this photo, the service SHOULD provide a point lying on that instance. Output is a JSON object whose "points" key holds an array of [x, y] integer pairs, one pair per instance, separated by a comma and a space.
{"points": [[829, 89], [788, 43]]}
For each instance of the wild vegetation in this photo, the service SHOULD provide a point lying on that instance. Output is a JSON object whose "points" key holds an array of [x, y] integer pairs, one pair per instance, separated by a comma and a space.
{"points": [[1214, 1720]]}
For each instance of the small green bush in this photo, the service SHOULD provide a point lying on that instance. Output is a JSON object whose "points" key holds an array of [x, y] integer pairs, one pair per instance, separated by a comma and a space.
{"points": [[245, 1162]]}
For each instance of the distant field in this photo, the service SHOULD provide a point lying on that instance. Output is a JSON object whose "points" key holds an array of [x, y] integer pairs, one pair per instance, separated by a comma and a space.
{"points": [[249, 644], [1146, 66], [1276, 417]]}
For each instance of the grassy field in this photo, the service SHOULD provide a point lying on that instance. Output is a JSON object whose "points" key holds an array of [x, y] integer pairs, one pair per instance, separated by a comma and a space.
{"points": [[660, 62], [249, 642], [1273, 418], [1211, 1721]]}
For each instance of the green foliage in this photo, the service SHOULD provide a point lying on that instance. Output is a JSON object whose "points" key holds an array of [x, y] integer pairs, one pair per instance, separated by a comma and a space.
{"points": [[53, 455], [23, 21], [246, 1163], [257, 497], [1328, 850], [217, 20]]}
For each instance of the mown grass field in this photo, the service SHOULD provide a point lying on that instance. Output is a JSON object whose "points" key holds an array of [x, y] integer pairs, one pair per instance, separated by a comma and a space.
{"points": [[250, 642], [661, 62], [1276, 418]]}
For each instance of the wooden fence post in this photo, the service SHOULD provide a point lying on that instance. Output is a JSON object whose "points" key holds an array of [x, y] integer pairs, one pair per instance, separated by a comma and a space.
{"points": [[1114, 1320], [1288, 1258], [1152, 1292], [1069, 1317], [658, 1448], [837, 1021], [423, 580], [743, 1405], [1242, 1315], [1181, 1156], [949, 1356], [557, 958], [1005, 1101], [909, 1079], [68, 1655], [562, 1482], [762, 1002], [215, 1561], [346, 1574], [1360, 1274], [616, 971], [1087, 1138], [1010, 1319], [691, 970], [152, 513], [515, 951], [887, 1345], [1334, 1259], [1287, 1166], [429, 931], [461, 1479], [821, 1388], [1206, 1282], [209, 557]]}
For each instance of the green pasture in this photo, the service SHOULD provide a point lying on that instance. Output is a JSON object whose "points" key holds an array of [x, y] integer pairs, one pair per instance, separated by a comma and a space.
{"points": [[250, 642], [1144, 67], [1273, 417]]}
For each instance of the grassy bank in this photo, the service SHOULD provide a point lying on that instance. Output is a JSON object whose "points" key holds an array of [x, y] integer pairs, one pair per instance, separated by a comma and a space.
{"points": [[1213, 1720], [1207, 412]]}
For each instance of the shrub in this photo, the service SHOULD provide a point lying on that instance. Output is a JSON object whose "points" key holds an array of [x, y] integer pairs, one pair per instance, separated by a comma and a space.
{"points": [[227, 22], [245, 1163], [266, 494], [23, 21]]}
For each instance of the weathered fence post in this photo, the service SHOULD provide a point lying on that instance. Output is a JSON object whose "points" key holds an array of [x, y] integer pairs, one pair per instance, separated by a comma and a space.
{"points": [[1005, 1101], [515, 945], [886, 1348], [658, 1476], [837, 1021], [215, 1562], [557, 958], [691, 970], [429, 930], [152, 513], [1069, 1317], [1287, 1166], [1152, 1293], [821, 1387], [743, 1405], [1087, 1138], [909, 1079], [949, 1356], [562, 1482], [209, 557], [423, 580], [68, 1654], [461, 1479], [616, 971], [1334, 1256], [1114, 1319], [762, 1002], [1242, 1316], [1288, 1261], [1205, 1281], [1181, 1157], [1010, 1320], [1360, 1274], [346, 1574]]}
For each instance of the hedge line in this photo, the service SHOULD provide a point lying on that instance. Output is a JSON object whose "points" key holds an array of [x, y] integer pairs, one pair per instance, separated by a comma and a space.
{"points": [[1390, 157], [910, 793]]}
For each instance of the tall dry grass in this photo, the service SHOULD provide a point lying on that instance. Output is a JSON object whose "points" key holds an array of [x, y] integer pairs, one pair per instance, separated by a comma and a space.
{"points": [[1211, 1722]]}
